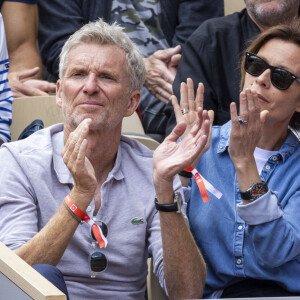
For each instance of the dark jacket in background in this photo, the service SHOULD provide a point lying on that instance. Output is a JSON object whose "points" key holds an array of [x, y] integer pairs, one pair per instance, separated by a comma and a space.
{"points": [[212, 56], [60, 18]]}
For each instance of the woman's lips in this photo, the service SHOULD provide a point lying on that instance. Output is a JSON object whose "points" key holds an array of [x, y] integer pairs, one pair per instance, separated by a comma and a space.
{"points": [[260, 97]]}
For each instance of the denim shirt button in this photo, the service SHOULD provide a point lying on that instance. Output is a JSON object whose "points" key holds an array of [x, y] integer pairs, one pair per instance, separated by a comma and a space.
{"points": [[274, 158], [238, 261], [268, 167], [240, 227]]}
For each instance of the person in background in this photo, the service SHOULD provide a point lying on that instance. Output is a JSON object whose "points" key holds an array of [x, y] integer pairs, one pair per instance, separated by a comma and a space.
{"points": [[25, 71], [159, 28], [212, 53], [6, 96], [84, 171], [250, 236]]}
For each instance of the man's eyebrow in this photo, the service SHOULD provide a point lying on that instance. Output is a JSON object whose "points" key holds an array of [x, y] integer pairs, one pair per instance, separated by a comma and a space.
{"points": [[75, 69], [108, 72], [103, 71]]}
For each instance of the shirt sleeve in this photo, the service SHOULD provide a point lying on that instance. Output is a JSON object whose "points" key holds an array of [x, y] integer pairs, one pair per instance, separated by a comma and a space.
{"points": [[6, 97], [265, 209], [275, 231], [18, 208]]}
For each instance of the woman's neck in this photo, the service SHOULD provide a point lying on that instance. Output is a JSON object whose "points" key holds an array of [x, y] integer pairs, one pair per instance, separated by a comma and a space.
{"points": [[273, 137]]}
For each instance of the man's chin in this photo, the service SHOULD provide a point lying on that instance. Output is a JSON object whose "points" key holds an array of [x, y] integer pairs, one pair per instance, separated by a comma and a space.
{"points": [[74, 121], [270, 13]]}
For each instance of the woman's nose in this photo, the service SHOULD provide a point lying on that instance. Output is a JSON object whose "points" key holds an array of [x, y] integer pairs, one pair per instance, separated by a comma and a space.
{"points": [[264, 78]]}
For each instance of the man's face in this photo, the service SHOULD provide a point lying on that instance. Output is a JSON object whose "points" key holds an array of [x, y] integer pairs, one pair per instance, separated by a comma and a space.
{"points": [[269, 13], [95, 85]]}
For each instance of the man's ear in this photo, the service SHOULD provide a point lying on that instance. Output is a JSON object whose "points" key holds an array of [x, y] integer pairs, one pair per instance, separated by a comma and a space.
{"points": [[58, 93], [134, 102]]}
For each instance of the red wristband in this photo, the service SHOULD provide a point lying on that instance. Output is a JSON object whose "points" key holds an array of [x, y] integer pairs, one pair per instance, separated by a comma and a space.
{"points": [[74, 208], [203, 185], [85, 217]]}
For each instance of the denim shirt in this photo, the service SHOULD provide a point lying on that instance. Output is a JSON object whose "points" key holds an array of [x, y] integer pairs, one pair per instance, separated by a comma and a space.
{"points": [[259, 240]]}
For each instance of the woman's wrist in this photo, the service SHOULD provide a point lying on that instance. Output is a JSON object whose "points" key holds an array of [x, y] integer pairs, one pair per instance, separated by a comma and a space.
{"points": [[242, 164], [247, 177]]}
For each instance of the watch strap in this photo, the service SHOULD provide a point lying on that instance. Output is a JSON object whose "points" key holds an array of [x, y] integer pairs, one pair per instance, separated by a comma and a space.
{"points": [[249, 194], [169, 207], [246, 195], [185, 174]]}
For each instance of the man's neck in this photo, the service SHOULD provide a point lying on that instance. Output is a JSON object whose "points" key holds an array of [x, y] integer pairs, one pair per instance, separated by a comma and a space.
{"points": [[102, 150], [260, 27]]}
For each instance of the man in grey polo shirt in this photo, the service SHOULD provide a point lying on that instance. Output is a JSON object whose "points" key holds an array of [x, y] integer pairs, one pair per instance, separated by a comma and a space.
{"points": [[85, 169]]}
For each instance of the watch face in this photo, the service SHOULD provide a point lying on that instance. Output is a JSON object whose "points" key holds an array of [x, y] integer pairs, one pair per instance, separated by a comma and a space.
{"points": [[259, 189]]}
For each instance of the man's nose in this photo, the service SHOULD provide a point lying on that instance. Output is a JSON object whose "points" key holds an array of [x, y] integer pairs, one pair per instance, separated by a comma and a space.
{"points": [[91, 84]]}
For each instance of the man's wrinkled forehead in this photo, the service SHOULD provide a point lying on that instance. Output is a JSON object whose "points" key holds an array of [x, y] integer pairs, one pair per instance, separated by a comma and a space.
{"points": [[82, 57]]}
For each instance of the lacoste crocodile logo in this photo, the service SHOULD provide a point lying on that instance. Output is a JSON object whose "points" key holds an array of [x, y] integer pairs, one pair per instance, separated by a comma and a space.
{"points": [[136, 221]]}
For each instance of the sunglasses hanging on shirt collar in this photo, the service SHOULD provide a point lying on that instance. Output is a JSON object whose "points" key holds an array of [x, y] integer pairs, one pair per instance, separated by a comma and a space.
{"points": [[97, 260]]}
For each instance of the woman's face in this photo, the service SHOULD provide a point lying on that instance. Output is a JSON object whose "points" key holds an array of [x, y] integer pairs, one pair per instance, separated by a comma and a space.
{"points": [[281, 104]]}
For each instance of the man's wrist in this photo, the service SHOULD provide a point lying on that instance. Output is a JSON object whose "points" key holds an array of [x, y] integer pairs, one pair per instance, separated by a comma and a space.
{"points": [[82, 199], [174, 206], [164, 193], [185, 174], [77, 218], [160, 181]]}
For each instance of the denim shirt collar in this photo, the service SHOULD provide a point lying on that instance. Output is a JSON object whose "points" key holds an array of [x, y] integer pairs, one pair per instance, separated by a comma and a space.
{"points": [[224, 137], [290, 145]]}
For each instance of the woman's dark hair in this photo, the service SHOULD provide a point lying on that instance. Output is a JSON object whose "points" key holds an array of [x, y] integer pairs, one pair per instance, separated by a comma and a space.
{"points": [[289, 33]]}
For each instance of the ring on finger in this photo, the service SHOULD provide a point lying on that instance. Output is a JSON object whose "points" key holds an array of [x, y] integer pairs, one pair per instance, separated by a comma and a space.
{"points": [[184, 111]]}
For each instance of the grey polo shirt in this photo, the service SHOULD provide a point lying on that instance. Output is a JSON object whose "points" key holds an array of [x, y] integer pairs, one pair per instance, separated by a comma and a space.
{"points": [[33, 183]]}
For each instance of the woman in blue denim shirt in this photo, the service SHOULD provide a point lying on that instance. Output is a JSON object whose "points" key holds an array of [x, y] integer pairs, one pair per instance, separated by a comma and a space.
{"points": [[250, 237]]}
